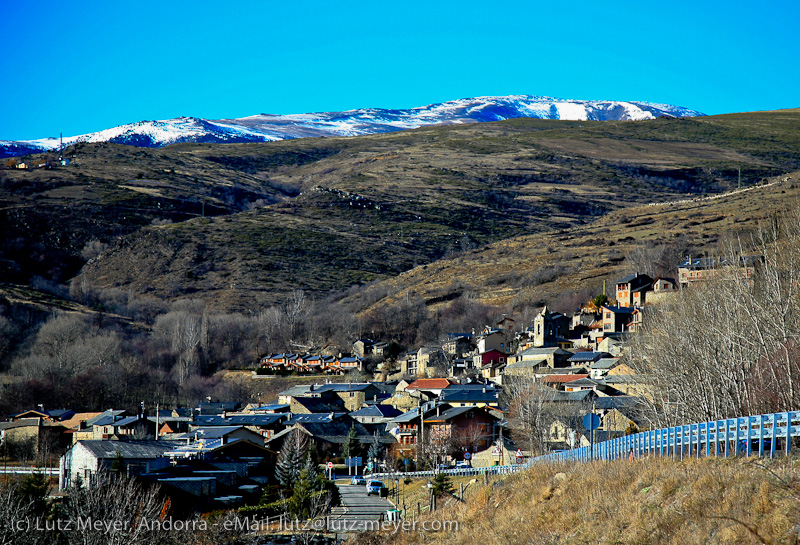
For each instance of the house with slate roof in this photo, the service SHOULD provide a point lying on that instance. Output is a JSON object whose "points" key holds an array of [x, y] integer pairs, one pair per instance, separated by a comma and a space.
{"points": [[616, 319], [463, 428], [375, 414], [86, 459], [632, 290], [470, 395]]}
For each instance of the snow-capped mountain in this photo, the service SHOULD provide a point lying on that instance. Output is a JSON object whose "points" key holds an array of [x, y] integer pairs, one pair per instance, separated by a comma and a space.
{"points": [[268, 127]]}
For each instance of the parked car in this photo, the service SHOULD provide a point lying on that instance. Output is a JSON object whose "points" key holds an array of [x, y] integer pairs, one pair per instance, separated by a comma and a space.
{"points": [[358, 479], [375, 487]]}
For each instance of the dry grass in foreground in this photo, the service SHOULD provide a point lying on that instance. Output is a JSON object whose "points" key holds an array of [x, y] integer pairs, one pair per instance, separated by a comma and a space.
{"points": [[649, 501]]}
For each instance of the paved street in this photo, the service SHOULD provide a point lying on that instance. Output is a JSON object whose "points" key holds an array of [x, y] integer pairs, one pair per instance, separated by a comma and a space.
{"points": [[357, 509]]}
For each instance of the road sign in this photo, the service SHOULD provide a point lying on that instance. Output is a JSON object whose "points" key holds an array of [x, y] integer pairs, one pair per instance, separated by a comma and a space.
{"points": [[467, 455], [406, 461], [354, 461], [519, 459], [591, 421], [518, 454], [330, 465]]}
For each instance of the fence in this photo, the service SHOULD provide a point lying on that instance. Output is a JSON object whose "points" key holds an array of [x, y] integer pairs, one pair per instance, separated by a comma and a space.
{"points": [[762, 435]]}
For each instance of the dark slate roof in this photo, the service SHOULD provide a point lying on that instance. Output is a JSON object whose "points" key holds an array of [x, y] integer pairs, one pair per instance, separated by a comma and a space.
{"points": [[534, 351], [21, 423], [627, 279], [238, 420], [619, 310], [713, 262], [110, 420], [605, 363], [314, 417], [337, 430], [271, 407], [300, 390], [317, 405], [587, 356], [407, 416], [468, 395], [448, 414], [211, 432], [383, 411], [103, 415], [128, 449], [343, 386]]}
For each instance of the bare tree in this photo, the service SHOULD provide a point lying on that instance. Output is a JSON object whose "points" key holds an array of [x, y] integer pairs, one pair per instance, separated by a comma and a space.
{"points": [[714, 350], [116, 500]]}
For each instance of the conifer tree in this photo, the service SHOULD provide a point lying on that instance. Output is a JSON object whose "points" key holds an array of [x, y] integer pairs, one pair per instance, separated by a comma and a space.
{"points": [[351, 444]]}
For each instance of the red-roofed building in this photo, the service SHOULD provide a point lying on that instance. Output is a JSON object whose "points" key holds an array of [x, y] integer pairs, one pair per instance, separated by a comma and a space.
{"points": [[432, 385], [558, 381]]}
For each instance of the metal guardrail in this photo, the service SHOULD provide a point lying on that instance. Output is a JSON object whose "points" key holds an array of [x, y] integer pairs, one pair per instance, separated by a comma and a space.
{"points": [[28, 470], [764, 435]]}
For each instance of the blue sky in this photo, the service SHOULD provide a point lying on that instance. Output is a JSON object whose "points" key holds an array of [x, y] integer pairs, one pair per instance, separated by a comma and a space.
{"points": [[80, 67]]}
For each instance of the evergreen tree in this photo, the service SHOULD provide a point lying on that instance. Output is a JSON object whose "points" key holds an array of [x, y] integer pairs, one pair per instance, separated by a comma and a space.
{"points": [[290, 459], [302, 496], [351, 445], [442, 485]]}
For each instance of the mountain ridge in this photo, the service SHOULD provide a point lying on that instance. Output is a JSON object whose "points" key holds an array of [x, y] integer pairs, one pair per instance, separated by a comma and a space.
{"points": [[358, 122]]}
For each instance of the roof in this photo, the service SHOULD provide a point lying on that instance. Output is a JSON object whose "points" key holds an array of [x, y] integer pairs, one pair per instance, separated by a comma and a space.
{"points": [[477, 395], [21, 423], [336, 431], [111, 420], [619, 310], [109, 412], [76, 419], [318, 405], [269, 408], [587, 356], [344, 386], [526, 364], [560, 379], [448, 414], [429, 384], [632, 277], [128, 449], [212, 432], [533, 351], [299, 390], [713, 262], [584, 382], [407, 416], [314, 417], [605, 363], [381, 411], [238, 420]]}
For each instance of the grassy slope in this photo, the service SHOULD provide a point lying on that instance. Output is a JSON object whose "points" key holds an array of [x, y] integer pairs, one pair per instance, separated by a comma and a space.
{"points": [[371, 207], [511, 270], [650, 501]]}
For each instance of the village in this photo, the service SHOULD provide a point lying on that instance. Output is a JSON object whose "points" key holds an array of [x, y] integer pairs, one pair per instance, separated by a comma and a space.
{"points": [[492, 397]]}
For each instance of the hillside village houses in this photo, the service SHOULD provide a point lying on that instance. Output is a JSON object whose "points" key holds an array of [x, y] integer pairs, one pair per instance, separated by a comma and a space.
{"points": [[439, 401]]}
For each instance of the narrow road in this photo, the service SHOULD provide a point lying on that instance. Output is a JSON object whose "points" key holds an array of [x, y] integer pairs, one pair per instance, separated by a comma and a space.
{"points": [[358, 511]]}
